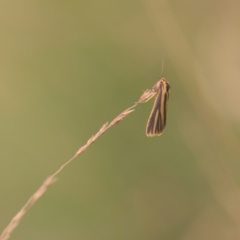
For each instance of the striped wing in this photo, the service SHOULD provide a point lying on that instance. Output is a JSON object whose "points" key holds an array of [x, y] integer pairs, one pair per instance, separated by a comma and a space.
{"points": [[157, 119]]}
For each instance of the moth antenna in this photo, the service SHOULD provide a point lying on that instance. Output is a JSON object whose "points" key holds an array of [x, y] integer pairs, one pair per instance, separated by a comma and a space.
{"points": [[162, 63]]}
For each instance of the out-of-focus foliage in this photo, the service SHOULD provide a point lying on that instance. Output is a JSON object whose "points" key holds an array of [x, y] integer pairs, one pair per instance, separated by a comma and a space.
{"points": [[67, 67]]}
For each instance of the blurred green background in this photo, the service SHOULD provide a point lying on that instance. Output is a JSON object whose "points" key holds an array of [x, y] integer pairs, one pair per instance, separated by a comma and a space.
{"points": [[67, 67]]}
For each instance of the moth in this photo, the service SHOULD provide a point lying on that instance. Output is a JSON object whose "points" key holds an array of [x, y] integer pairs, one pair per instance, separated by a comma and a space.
{"points": [[158, 116]]}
